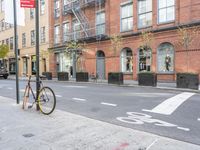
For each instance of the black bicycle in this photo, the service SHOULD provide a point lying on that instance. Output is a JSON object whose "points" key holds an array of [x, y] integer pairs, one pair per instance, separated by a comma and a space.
{"points": [[46, 98]]}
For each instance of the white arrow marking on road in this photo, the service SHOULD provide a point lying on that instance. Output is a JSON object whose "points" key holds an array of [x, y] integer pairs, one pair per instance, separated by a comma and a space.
{"points": [[78, 99], [109, 104], [198, 119], [185, 129], [170, 105]]}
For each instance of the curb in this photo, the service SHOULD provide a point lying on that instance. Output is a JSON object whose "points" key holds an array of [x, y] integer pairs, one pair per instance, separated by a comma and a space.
{"points": [[124, 85]]}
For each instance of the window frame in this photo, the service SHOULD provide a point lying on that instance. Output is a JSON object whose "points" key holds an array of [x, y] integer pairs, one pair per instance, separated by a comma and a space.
{"points": [[122, 5], [158, 14], [56, 10], [43, 34], [103, 24], [42, 7], [147, 12], [66, 34], [23, 39], [157, 68], [124, 50], [57, 35], [33, 40]]}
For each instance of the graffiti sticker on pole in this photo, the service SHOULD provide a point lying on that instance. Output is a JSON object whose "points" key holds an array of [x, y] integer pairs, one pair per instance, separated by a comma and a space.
{"points": [[27, 3]]}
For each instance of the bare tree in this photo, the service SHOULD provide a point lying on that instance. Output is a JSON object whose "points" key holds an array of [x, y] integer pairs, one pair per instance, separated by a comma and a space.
{"points": [[187, 35]]}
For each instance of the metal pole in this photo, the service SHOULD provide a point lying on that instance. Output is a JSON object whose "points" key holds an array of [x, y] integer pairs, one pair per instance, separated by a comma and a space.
{"points": [[16, 52], [37, 50]]}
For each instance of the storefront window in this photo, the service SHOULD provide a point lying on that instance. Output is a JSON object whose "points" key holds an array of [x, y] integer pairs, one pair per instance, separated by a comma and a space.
{"points": [[64, 62], [165, 58], [33, 64], [12, 64], [145, 56], [126, 60]]}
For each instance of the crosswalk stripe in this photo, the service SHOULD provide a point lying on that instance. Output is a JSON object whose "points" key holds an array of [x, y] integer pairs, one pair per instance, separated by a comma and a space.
{"points": [[170, 105]]}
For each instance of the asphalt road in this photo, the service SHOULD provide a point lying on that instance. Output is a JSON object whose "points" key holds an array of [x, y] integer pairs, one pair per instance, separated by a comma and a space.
{"points": [[124, 106]]}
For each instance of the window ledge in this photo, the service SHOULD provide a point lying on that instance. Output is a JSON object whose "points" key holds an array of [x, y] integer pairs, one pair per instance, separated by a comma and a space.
{"points": [[165, 73], [128, 73]]}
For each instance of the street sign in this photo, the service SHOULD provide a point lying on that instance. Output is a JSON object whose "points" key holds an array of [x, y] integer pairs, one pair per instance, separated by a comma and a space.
{"points": [[27, 3]]}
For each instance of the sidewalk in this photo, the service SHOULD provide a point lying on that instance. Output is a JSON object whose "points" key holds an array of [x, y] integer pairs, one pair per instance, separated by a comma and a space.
{"points": [[127, 83], [31, 130]]}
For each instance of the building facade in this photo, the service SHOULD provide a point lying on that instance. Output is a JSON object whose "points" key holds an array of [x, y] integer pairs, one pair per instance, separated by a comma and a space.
{"points": [[26, 40], [128, 36]]}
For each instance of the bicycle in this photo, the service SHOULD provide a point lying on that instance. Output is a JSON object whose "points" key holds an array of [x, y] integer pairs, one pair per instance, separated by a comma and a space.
{"points": [[46, 97]]}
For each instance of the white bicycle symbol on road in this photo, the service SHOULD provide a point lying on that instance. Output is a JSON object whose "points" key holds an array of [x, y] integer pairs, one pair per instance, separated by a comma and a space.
{"points": [[140, 118]]}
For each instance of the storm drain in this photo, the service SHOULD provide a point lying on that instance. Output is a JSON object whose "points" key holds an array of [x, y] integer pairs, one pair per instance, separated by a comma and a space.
{"points": [[28, 135]]}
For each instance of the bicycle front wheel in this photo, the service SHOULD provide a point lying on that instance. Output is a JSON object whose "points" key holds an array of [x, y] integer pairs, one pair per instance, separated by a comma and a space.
{"points": [[46, 100]]}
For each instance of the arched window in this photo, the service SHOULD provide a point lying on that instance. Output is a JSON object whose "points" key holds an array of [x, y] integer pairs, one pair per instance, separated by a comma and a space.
{"points": [[165, 58], [126, 60], [145, 56]]}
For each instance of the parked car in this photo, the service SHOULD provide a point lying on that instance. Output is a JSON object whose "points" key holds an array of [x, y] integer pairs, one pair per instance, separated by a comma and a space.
{"points": [[3, 72]]}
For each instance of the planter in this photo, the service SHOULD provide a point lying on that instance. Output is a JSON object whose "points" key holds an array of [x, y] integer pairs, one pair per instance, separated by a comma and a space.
{"points": [[187, 80], [63, 76], [48, 75], [115, 78], [82, 77], [147, 79]]}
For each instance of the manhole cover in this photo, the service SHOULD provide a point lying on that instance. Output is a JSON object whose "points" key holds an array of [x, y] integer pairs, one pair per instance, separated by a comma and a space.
{"points": [[28, 135]]}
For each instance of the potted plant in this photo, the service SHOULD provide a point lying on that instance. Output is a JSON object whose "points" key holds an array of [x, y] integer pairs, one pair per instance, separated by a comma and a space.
{"points": [[187, 79], [147, 79], [115, 77]]}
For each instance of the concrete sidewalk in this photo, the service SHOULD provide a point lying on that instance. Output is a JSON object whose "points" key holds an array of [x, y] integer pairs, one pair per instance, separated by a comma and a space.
{"points": [[31, 130], [129, 83]]}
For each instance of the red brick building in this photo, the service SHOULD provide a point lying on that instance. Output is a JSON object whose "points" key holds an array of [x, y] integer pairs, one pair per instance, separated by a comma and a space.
{"points": [[95, 21]]}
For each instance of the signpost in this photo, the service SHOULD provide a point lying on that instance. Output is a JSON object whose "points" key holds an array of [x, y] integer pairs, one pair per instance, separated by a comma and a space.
{"points": [[35, 4]]}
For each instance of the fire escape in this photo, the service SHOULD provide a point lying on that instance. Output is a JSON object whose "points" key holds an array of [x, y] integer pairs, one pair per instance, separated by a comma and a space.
{"points": [[76, 7]]}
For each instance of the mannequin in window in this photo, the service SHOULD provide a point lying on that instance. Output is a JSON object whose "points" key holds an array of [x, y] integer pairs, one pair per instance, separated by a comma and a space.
{"points": [[128, 64], [167, 62]]}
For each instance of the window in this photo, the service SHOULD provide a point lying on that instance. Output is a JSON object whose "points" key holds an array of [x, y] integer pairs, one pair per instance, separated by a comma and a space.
{"points": [[42, 7], [32, 37], [166, 10], [33, 64], [42, 34], [23, 39], [32, 13], [76, 29], [2, 6], [126, 60], [57, 8], [100, 23], [11, 43], [66, 30], [7, 41], [57, 34], [145, 59], [127, 17], [144, 13], [2, 25], [165, 58]]}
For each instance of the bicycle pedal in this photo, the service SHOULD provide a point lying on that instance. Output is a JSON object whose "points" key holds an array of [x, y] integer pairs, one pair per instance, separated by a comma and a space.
{"points": [[30, 107]]}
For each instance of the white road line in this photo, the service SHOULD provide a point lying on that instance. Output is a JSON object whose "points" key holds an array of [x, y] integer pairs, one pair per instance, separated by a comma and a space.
{"points": [[58, 95], [73, 86], [151, 144], [198, 119], [78, 99], [170, 105], [109, 104], [184, 129], [10, 88]]}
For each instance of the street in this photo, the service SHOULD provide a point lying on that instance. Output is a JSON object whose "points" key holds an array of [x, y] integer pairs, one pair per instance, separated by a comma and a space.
{"points": [[167, 113]]}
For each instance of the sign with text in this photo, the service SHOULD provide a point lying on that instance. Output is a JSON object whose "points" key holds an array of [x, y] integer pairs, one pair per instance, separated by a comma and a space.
{"points": [[27, 3]]}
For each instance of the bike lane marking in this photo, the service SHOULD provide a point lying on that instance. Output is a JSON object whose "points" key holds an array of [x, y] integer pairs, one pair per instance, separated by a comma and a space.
{"points": [[79, 99], [170, 105], [184, 129], [109, 104]]}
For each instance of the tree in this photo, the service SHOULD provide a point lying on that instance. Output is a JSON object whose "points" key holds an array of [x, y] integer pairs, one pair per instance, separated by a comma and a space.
{"points": [[4, 49], [187, 36], [146, 39]]}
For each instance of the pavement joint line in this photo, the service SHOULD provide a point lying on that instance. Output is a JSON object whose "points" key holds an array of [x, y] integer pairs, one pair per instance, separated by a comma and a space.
{"points": [[148, 148], [108, 104], [79, 99]]}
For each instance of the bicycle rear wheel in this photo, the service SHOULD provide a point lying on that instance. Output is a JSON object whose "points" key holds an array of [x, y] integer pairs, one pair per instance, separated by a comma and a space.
{"points": [[46, 100]]}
